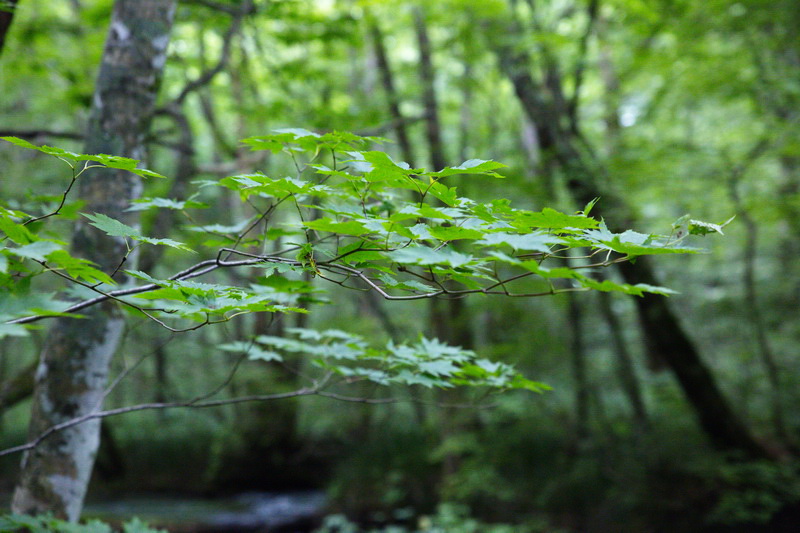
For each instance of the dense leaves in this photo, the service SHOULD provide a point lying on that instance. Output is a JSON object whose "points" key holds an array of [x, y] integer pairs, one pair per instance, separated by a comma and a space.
{"points": [[366, 222]]}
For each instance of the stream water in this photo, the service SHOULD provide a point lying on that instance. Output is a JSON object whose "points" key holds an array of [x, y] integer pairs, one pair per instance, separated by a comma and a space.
{"points": [[297, 512]]}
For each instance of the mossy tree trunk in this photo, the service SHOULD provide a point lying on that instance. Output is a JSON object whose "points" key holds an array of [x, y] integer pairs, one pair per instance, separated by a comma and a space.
{"points": [[74, 364]]}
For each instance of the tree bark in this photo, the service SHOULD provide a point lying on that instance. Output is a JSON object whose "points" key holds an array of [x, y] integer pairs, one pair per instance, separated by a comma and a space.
{"points": [[74, 363]]}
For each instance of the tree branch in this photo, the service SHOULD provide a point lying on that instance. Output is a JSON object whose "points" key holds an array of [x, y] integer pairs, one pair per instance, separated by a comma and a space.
{"points": [[206, 77], [572, 106]]}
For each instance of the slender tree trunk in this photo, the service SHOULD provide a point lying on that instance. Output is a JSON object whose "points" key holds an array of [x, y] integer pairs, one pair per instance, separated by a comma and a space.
{"points": [[579, 372], [392, 97], [433, 129], [403, 140], [74, 363], [625, 370], [6, 16], [465, 122], [665, 337], [611, 99], [790, 249], [449, 318], [752, 308]]}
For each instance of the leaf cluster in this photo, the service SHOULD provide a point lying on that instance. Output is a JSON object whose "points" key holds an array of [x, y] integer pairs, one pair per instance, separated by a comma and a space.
{"points": [[350, 216]]}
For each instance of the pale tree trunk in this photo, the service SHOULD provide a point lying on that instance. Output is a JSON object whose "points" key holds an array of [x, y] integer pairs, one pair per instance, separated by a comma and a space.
{"points": [[74, 363]]}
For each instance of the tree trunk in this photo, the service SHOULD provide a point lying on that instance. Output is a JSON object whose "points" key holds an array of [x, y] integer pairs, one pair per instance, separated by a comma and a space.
{"points": [[6, 16], [393, 99], [579, 372], [668, 341], [449, 318], [74, 363], [665, 337], [626, 373], [428, 82]]}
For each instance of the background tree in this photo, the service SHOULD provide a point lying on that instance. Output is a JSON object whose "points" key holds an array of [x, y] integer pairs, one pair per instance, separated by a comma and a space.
{"points": [[74, 364]]}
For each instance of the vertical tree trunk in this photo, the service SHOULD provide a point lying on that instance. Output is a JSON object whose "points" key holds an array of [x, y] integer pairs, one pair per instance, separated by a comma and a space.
{"points": [[579, 372], [624, 367], [449, 318], [790, 247], [392, 98], [752, 307], [6, 16], [465, 122], [74, 363], [433, 128], [665, 337]]}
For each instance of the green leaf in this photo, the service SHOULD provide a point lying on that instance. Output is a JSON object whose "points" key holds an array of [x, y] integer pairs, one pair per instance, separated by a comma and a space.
{"points": [[16, 232], [276, 142], [164, 242], [634, 244], [698, 227], [146, 203], [115, 228], [253, 351], [297, 133], [454, 233], [233, 229], [27, 303], [520, 382], [78, 268], [422, 255], [110, 226], [441, 367], [38, 251], [588, 208], [472, 166], [538, 242], [110, 161], [635, 290], [350, 227], [446, 194], [551, 219]]}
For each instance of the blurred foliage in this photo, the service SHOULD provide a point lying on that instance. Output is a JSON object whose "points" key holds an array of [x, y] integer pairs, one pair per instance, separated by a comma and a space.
{"points": [[690, 107], [45, 524]]}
